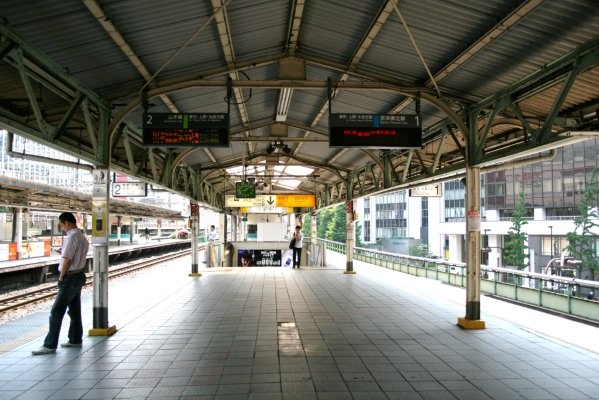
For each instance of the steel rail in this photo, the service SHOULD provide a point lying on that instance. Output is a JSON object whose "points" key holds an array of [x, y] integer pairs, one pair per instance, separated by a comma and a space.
{"points": [[49, 290]]}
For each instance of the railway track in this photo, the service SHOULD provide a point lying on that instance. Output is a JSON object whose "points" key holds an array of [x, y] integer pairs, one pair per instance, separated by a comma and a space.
{"points": [[49, 290]]}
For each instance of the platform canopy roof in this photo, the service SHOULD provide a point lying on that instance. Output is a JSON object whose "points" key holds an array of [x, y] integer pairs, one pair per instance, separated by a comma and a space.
{"points": [[37, 196], [488, 80]]}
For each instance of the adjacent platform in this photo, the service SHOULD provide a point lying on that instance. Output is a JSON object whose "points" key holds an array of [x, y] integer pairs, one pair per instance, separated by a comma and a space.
{"points": [[280, 333], [115, 251]]}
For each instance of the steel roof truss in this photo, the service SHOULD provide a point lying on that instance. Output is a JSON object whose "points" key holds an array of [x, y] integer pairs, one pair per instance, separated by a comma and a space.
{"points": [[91, 129], [130, 160], [68, 116], [581, 63], [407, 166], [35, 107]]}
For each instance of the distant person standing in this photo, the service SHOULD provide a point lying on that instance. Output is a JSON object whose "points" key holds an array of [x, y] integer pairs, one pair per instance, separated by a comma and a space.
{"points": [[71, 280], [147, 234], [210, 249], [297, 248], [212, 236]]}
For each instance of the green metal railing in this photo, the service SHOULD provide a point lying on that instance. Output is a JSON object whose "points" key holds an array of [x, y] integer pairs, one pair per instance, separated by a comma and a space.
{"points": [[572, 296]]}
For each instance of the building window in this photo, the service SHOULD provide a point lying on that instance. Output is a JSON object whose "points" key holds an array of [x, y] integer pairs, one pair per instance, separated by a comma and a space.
{"points": [[424, 206]]}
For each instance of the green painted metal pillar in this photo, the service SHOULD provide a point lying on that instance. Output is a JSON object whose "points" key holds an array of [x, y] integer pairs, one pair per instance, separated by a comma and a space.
{"points": [[349, 211], [474, 151], [101, 230]]}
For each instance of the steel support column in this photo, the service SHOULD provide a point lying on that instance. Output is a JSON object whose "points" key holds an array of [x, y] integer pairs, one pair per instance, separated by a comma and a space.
{"points": [[18, 230], [194, 222], [101, 229], [313, 239], [349, 210], [100, 232], [472, 319]]}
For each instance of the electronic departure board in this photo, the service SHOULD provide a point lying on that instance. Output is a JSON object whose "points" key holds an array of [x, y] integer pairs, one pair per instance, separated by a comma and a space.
{"points": [[186, 130], [375, 131]]}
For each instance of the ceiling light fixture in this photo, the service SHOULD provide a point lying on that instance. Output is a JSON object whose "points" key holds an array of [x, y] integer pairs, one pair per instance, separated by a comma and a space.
{"points": [[278, 147], [283, 104]]}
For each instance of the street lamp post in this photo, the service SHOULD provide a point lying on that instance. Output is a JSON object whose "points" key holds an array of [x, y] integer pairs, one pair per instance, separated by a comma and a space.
{"points": [[551, 239], [485, 252], [487, 235]]}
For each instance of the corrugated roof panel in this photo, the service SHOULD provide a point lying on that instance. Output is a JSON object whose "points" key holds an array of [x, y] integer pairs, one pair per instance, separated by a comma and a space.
{"points": [[582, 93], [521, 51], [79, 46], [332, 35], [441, 31], [258, 29], [159, 32], [305, 104]]}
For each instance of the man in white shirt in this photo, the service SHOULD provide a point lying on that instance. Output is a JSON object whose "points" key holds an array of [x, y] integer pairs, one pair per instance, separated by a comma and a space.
{"points": [[298, 237], [71, 280]]}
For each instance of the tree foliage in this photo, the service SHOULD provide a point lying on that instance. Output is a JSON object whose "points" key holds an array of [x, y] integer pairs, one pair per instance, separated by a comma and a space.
{"points": [[322, 222], [420, 250], [358, 235], [331, 223], [336, 230], [516, 250], [581, 242], [306, 229]]}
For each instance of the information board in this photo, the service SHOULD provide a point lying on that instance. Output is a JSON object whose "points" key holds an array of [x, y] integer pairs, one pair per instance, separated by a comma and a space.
{"points": [[272, 201], [296, 200], [186, 130], [258, 201], [258, 258], [375, 131]]}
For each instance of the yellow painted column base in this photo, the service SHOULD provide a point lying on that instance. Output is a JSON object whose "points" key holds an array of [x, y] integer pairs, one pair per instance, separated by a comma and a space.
{"points": [[195, 274], [349, 272], [102, 331], [471, 323]]}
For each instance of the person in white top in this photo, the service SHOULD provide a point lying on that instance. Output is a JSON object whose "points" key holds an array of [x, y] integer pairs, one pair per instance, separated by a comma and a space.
{"points": [[212, 235], [211, 249], [297, 248], [71, 280]]}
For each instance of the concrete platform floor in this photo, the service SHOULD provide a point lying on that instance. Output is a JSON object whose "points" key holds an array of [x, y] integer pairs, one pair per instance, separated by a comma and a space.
{"points": [[280, 333]]}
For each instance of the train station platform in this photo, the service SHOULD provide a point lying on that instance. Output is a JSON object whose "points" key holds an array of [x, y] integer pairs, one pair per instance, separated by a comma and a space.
{"points": [[313, 333]]}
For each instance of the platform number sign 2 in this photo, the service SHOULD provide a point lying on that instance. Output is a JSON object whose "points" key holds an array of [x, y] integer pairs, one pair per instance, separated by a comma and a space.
{"points": [[129, 189]]}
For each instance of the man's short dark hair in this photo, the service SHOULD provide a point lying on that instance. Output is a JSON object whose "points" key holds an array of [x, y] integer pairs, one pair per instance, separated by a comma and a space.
{"points": [[67, 217]]}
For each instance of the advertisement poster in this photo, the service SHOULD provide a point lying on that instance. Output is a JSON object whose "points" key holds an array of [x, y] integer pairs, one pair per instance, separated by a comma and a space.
{"points": [[35, 249], [258, 258]]}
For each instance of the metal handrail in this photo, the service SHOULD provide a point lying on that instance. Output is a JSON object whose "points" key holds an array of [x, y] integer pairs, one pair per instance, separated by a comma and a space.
{"points": [[557, 293], [544, 277], [340, 247]]}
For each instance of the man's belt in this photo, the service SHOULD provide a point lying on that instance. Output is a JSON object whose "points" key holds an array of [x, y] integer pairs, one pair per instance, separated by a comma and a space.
{"points": [[69, 272]]}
